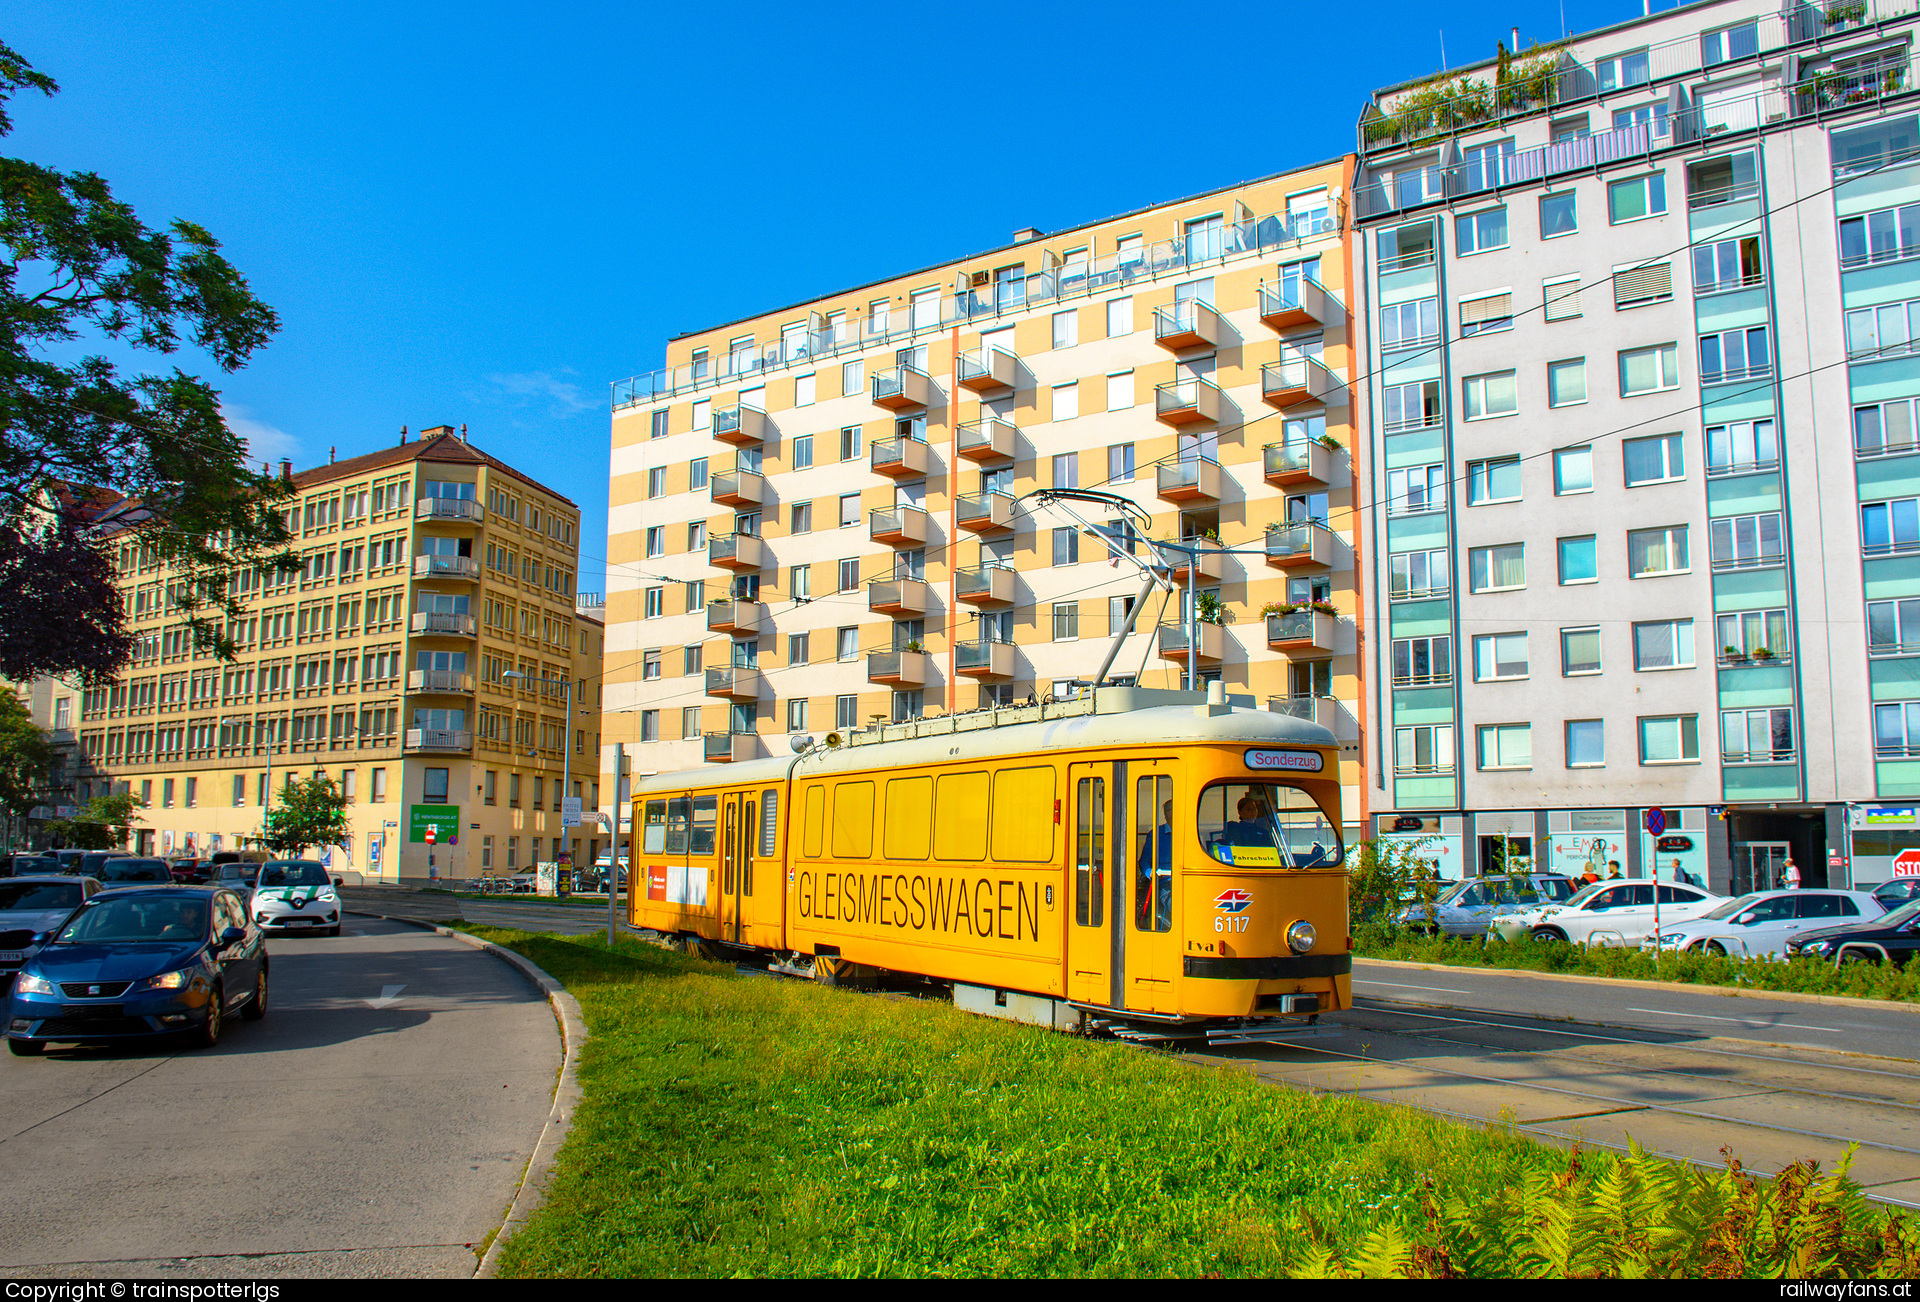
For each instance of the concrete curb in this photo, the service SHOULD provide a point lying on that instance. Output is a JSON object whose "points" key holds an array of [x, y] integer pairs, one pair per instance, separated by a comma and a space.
{"points": [[1790, 996], [566, 1093]]}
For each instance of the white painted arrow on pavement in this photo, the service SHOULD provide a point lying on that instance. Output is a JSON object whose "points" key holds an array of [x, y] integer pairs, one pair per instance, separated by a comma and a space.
{"points": [[387, 995]]}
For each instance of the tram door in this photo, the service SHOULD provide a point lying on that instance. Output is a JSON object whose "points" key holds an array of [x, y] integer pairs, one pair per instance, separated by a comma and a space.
{"points": [[737, 824], [1097, 810], [1153, 860]]}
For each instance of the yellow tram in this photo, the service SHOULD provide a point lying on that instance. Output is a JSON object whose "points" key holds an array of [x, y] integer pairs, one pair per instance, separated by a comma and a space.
{"points": [[1144, 862]]}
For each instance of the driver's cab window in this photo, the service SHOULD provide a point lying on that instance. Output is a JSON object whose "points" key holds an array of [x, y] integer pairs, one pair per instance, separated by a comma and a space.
{"points": [[1263, 825]]}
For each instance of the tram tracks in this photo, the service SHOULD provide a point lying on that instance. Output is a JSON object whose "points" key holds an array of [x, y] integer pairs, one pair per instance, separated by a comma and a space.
{"points": [[1680, 1095]]}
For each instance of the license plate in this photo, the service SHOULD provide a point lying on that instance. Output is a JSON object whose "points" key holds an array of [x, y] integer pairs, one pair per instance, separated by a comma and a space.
{"points": [[13, 955]]}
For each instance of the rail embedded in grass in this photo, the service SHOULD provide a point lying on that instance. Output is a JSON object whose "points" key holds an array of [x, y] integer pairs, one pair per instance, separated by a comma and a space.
{"points": [[740, 1126]]}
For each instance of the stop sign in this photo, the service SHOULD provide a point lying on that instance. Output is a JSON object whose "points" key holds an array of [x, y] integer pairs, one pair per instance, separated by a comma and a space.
{"points": [[1907, 864]]}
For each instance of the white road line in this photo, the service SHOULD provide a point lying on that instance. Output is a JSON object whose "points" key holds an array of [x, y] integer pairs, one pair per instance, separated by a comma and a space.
{"points": [[1400, 985], [1739, 1021]]}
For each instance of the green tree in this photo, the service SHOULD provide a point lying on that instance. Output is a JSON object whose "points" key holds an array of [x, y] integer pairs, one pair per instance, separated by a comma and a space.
{"points": [[26, 761], [1384, 875], [86, 451], [313, 812], [103, 823]]}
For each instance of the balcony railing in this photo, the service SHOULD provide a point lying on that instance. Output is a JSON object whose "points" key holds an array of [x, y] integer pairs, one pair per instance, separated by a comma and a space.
{"points": [[729, 747], [735, 682], [433, 621], [897, 597], [1172, 641], [1296, 463], [902, 387], [1299, 378], [439, 680], [737, 551], [987, 370], [987, 440], [984, 512], [1322, 710], [442, 739], [1187, 324], [1301, 631], [1195, 480], [1186, 402], [740, 488], [450, 509], [901, 458], [446, 567], [983, 659], [898, 668], [1209, 563], [1298, 301], [735, 616], [899, 526], [744, 427], [1299, 543], [986, 585]]}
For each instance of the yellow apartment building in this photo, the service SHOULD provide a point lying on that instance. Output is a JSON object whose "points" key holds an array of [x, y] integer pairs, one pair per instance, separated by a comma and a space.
{"points": [[819, 516], [424, 657]]}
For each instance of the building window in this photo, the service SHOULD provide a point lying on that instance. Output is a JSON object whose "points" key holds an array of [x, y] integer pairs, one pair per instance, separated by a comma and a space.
{"points": [[433, 786], [797, 714], [1401, 247], [656, 602], [797, 644], [1498, 656], [800, 518], [1735, 355], [1567, 382], [1497, 569], [1066, 329], [1120, 463], [1410, 325], [850, 443], [649, 725], [1643, 283], [803, 452], [650, 666], [1410, 406], [1424, 749], [697, 474], [1649, 370], [800, 582], [1734, 264], [689, 721], [1749, 541], [1670, 739], [1579, 560], [1656, 460], [660, 423], [1119, 317], [803, 390], [849, 510], [1880, 236], [1572, 471], [847, 644], [657, 482], [1066, 546], [1559, 214], [1562, 298], [1416, 489], [1066, 620], [1412, 575], [1896, 730], [1663, 644], [1580, 651], [1586, 743], [379, 787], [1476, 232], [656, 541], [1653, 552], [1762, 634], [690, 657], [1747, 445], [1486, 315], [846, 712], [850, 574], [1493, 481], [1505, 745], [1066, 470], [1760, 736], [1490, 395], [1643, 196], [1120, 391], [1422, 661], [1066, 401]]}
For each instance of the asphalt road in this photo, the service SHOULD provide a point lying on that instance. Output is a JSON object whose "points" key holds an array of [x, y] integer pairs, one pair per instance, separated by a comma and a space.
{"points": [[375, 1123], [566, 919]]}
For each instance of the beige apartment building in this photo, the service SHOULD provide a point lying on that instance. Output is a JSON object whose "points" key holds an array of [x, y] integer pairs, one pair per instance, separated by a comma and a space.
{"points": [[819, 516], [424, 658]]}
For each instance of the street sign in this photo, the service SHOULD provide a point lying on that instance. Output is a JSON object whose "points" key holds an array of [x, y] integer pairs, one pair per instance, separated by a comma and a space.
{"points": [[570, 811], [432, 831], [1907, 864], [1656, 821]]}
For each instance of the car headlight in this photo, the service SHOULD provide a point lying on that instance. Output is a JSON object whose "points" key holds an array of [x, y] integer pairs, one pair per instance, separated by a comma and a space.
{"points": [[165, 981], [29, 984], [1300, 937], [1816, 947], [1673, 940]]}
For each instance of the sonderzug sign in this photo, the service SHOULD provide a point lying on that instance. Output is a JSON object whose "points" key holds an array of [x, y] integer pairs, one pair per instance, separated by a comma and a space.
{"points": [[1297, 761]]}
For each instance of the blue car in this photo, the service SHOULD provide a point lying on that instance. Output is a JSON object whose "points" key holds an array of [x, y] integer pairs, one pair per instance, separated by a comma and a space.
{"points": [[142, 961]]}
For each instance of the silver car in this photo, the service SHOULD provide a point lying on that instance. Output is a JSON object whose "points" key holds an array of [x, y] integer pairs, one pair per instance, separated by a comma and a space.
{"points": [[1465, 908], [33, 906]]}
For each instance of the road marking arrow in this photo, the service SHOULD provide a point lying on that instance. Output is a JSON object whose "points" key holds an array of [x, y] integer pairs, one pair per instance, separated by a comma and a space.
{"points": [[387, 995]]}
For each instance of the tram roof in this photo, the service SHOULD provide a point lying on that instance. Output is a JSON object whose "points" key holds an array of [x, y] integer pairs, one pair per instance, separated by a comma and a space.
{"points": [[1110, 716]]}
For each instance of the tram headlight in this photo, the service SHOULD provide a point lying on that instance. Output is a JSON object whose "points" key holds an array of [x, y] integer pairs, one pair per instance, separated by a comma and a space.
{"points": [[1300, 937]]}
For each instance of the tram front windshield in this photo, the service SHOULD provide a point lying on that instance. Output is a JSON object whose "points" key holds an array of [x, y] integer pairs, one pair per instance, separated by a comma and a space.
{"points": [[1265, 825]]}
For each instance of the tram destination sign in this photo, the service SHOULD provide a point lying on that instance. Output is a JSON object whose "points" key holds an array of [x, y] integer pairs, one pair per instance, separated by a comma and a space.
{"points": [[1296, 761]]}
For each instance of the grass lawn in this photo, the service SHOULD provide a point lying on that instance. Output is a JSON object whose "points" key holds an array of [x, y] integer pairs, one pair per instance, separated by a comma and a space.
{"points": [[735, 1125]]}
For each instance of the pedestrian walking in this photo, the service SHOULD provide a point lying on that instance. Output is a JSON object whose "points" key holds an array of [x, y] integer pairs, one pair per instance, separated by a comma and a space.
{"points": [[1793, 874]]}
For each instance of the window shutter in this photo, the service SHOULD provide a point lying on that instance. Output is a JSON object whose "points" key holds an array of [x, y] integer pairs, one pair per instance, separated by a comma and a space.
{"points": [[1563, 299], [1643, 284], [1492, 308]]}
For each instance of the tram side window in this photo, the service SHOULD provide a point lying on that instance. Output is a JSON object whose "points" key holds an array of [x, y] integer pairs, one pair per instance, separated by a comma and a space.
{"points": [[1023, 815], [1153, 854], [960, 817], [853, 820], [1262, 825], [679, 818], [816, 820], [653, 838], [706, 816], [769, 821], [1090, 852], [909, 818]]}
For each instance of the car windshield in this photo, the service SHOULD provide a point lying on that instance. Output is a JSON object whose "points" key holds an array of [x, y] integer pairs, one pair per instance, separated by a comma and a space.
{"points": [[1900, 917], [294, 874], [1265, 825], [1730, 908], [236, 872], [134, 870], [143, 919], [38, 895]]}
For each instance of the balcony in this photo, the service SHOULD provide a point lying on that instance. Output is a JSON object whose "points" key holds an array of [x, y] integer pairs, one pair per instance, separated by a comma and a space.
{"points": [[900, 458], [1297, 464], [735, 616], [744, 427], [899, 526], [1300, 544], [446, 567], [444, 623], [983, 659], [1186, 402], [1189, 324], [729, 747], [1209, 563], [1322, 710], [901, 388], [897, 597], [1293, 303], [1185, 481], [741, 488], [989, 585], [1173, 643], [439, 739], [987, 441], [737, 551], [734, 682], [1301, 633], [987, 370], [984, 512], [439, 680], [1299, 378], [450, 510], [897, 668]]}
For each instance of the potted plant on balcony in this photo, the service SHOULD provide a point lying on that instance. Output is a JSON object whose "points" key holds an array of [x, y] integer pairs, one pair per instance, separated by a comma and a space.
{"points": [[1763, 653], [1329, 442], [1847, 11], [1323, 606], [1732, 654], [1211, 610], [914, 647]]}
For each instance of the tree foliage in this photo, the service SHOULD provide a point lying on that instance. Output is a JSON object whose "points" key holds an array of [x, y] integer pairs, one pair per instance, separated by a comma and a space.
{"points": [[103, 823], [26, 758], [1384, 875], [312, 812], [79, 268]]}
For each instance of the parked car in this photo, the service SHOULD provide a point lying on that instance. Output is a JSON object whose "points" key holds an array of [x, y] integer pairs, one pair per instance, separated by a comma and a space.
{"points": [[142, 961], [129, 871], [237, 876], [30, 908], [69, 860], [29, 863], [1890, 938], [1609, 913], [1898, 891], [1466, 908], [1760, 925], [94, 860], [296, 895], [188, 872]]}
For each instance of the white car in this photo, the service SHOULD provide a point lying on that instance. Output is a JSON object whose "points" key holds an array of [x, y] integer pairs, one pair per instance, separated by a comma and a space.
{"points": [[296, 895], [1759, 925], [1614, 913]]}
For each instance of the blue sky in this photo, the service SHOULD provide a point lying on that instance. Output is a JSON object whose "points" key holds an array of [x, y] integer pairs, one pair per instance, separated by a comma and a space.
{"points": [[484, 213]]}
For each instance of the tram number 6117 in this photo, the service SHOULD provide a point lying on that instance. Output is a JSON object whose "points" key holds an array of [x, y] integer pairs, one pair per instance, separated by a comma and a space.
{"points": [[1237, 922]]}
